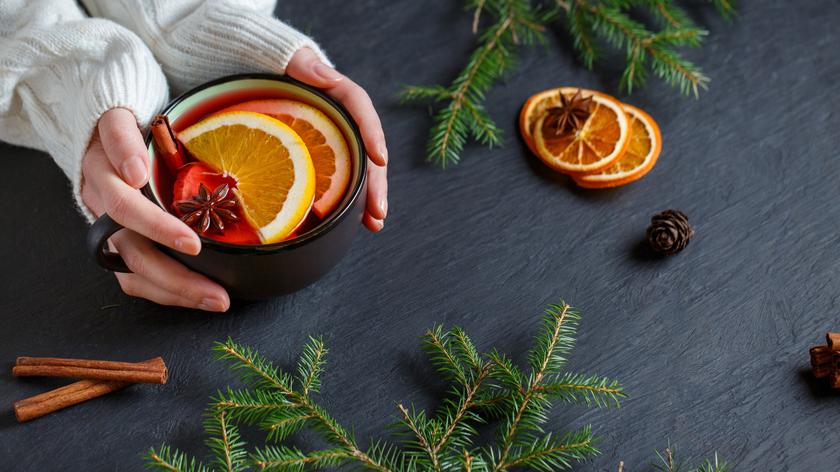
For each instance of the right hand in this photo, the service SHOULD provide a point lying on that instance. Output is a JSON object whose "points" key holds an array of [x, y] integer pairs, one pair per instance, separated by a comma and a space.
{"points": [[114, 167]]}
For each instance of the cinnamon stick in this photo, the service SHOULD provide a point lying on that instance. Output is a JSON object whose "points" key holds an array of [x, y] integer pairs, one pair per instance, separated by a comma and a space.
{"points": [[166, 144], [820, 355], [77, 392], [152, 371], [835, 379], [152, 364], [54, 400]]}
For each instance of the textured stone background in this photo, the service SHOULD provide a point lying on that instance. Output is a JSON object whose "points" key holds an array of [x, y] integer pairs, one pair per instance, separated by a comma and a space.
{"points": [[711, 344]]}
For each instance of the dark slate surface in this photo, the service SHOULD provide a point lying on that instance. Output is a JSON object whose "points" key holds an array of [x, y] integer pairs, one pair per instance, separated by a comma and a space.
{"points": [[711, 344]]}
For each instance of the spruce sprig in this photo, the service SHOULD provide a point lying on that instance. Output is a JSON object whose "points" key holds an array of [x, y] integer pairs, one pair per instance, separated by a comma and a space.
{"points": [[591, 24], [514, 22], [483, 387], [668, 462]]}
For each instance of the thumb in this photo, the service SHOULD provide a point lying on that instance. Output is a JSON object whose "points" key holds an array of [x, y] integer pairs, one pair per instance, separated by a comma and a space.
{"points": [[308, 68]]}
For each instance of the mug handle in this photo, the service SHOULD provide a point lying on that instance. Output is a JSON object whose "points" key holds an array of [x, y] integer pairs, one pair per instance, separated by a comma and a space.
{"points": [[97, 244]]}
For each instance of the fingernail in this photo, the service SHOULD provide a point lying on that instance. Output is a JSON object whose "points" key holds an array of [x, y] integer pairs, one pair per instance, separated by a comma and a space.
{"points": [[382, 150], [383, 207], [326, 72], [134, 171], [211, 304], [188, 245]]}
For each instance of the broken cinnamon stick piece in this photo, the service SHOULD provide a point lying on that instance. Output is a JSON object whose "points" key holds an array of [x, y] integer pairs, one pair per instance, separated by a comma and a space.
{"points": [[152, 371], [166, 144], [822, 371], [833, 341], [820, 355], [835, 379]]}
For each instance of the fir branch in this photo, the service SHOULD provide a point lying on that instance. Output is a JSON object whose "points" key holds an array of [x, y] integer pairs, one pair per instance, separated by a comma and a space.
{"points": [[414, 93], [311, 365], [438, 347], [464, 116], [643, 46], [253, 368], [549, 453], [261, 372], [716, 466], [505, 371], [726, 8], [225, 442], [590, 390], [282, 458], [416, 424], [454, 426], [250, 406], [172, 460], [668, 462], [554, 339]]}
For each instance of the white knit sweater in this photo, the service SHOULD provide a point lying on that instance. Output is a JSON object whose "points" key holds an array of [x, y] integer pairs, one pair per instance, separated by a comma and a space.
{"points": [[60, 70]]}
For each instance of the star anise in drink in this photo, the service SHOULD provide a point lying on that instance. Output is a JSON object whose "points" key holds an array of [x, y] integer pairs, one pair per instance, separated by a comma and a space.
{"points": [[570, 115], [208, 210]]}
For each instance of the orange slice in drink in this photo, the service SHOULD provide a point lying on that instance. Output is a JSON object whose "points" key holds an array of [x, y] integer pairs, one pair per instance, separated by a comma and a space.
{"points": [[600, 142], [326, 145], [275, 179], [641, 155]]}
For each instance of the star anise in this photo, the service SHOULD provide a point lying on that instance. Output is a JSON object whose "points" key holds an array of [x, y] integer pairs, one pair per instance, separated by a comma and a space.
{"points": [[570, 115], [207, 210]]}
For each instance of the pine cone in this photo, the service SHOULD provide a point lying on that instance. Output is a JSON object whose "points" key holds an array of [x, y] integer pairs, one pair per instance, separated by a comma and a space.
{"points": [[669, 232]]}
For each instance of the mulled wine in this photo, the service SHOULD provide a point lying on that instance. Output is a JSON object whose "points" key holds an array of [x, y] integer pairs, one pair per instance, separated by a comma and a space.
{"points": [[251, 166]]}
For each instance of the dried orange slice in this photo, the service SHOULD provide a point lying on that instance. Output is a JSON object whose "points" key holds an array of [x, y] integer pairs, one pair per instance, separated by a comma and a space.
{"points": [[600, 142], [641, 155], [326, 145], [275, 179]]}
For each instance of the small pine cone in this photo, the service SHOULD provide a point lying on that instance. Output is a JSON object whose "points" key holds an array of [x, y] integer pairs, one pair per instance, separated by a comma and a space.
{"points": [[669, 232]]}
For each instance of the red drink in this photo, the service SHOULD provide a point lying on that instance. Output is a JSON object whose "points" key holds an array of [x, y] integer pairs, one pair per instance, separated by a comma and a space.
{"points": [[173, 188]]}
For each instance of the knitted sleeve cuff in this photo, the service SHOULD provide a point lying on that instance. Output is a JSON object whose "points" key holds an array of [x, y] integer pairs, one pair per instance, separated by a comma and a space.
{"points": [[126, 76], [69, 75]]}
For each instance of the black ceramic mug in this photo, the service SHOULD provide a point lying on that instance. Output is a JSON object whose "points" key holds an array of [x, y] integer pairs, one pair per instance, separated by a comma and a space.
{"points": [[268, 270]]}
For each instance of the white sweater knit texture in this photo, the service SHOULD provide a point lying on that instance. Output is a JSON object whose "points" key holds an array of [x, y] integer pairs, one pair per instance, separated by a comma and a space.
{"points": [[60, 69]]}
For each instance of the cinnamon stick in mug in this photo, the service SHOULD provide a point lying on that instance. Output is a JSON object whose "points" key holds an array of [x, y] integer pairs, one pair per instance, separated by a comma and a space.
{"points": [[166, 143]]}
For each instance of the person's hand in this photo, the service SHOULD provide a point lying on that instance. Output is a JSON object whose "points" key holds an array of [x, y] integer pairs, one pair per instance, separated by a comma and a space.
{"points": [[114, 167], [306, 67]]}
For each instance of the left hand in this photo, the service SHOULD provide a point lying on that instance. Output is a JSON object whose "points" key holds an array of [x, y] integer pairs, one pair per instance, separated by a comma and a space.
{"points": [[306, 67]]}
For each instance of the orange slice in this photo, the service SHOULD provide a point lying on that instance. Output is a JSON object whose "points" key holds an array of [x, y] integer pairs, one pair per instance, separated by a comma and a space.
{"points": [[638, 160], [275, 179], [599, 143], [326, 145]]}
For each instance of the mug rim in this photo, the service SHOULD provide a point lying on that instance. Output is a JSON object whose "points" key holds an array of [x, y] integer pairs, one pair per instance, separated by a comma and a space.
{"points": [[310, 235]]}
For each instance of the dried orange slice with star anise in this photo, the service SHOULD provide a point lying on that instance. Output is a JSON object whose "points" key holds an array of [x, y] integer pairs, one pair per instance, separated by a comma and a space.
{"points": [[575, 130]]}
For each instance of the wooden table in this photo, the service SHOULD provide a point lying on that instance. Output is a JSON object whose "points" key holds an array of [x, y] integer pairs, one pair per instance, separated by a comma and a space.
{"points": [[711, 344]]}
